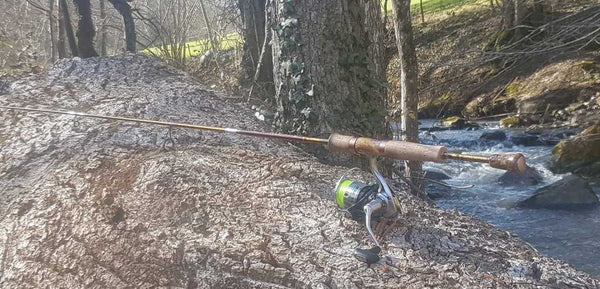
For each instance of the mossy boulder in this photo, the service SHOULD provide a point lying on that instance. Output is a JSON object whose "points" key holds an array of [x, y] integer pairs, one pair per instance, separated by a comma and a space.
{"points": [[457, 122], [510, 121], [580, 154], [454, 121]]}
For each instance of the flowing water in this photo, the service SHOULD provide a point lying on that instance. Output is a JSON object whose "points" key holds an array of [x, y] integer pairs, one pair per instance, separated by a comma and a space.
{"points": [[573, 236]]}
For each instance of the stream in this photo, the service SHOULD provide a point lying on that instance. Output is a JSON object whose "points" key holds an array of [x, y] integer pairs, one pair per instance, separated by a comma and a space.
{"points": [[572, 236]]}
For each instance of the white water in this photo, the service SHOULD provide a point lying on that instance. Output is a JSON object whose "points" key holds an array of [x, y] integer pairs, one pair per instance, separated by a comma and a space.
{"points": [[573, 236]]}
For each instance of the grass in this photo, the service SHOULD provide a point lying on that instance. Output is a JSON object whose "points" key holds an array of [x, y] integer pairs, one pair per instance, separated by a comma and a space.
{"points": [[199, 47], [432, 6]]}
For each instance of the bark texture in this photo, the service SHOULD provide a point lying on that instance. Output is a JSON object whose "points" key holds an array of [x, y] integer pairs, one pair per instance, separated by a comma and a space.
{"points": [[85, 29], [87, 203], [408, 83], [329, 66], [130, 35]]}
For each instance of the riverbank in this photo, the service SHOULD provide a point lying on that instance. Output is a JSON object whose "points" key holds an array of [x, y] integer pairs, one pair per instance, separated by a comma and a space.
{"points": [[458, 77]]}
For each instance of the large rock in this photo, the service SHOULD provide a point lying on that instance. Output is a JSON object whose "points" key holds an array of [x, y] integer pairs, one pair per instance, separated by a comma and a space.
{"points": [[97, 204], [571, 192], [434, 183], [529, 177], [435, 174], [526, 139], [580, 154], [496, 135]]}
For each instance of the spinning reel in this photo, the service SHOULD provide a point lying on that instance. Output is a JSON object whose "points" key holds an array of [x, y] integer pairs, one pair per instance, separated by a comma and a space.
{"points": [[362, 202]]}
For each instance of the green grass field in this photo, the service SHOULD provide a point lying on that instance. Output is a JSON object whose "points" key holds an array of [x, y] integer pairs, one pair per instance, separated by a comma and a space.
{"points": [[199, 47], [433, 6]]}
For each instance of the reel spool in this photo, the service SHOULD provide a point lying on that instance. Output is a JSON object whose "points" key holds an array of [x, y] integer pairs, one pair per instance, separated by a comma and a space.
{"points": [[360, 202]]}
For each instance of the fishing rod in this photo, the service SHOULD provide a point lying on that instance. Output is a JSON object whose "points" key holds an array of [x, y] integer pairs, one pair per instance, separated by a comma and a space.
{"points": [[359, 201], [336, 143]]}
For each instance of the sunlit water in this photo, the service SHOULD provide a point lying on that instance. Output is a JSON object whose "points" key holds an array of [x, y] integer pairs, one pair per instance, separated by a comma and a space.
{"points": [[573, 236]]}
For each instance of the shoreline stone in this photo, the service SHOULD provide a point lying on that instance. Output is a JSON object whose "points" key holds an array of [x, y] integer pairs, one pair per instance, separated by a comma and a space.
{"points": [[569, 193]]}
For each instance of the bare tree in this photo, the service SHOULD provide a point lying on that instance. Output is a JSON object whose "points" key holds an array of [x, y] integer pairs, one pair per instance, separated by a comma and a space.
{"points": [[209, 31], [103, 28], [408, 83], [62, 50], [167, 26], [85, 29], [64, 8], [52, 21], [130, 33], [256, 34]]}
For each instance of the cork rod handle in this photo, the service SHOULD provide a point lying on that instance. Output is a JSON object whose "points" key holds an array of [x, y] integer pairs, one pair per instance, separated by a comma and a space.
{"points": [[418, 152], [386, 148]]}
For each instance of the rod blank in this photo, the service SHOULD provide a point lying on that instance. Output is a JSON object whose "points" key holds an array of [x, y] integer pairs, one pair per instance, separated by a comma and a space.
{"points": [[336, 143]]}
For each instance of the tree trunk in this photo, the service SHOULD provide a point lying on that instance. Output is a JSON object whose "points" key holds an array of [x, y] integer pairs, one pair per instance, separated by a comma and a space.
{"points": [[103, 28], [60, 45], [513, 15], [519, 19], [85, 29], [408, 82], [52, 21], [64, 8], [253, 19], [422, 11], [508, 14], [329, 69], [266, 46], [130, 35]]}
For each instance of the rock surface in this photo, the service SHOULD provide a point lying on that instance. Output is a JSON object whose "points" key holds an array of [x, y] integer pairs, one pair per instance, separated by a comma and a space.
{"points": [[571, 192], [529, 177], [580, 154], [496, 135], [99, 204]]}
